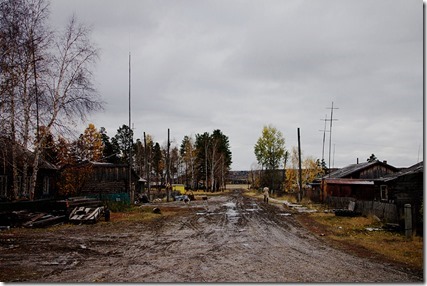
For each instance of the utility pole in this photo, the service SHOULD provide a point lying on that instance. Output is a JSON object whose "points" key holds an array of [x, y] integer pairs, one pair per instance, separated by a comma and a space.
{"points": [[131, 193], [299, 167], [323, 156], [333, 158], [324, 136], [147, 167], [168, 185], [330, 133]]}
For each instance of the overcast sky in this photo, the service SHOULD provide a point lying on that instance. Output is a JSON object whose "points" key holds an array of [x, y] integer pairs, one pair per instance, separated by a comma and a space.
{"points": [[236, 66]]}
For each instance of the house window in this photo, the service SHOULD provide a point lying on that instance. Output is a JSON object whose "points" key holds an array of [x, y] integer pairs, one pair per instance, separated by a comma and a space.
{"points": [[46, 186], [3, 186], [384, 193]]}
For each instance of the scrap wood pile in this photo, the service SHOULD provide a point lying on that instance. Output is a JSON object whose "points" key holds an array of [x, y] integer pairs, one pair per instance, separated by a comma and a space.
{"points": [[49, 213], [84, 210], [25, 218]]}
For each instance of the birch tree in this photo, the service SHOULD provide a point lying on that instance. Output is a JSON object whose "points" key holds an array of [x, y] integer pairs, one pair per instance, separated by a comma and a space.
{"points": [[24, 39], [270, 151], [69, 92], [189, 156], [45, 79]]}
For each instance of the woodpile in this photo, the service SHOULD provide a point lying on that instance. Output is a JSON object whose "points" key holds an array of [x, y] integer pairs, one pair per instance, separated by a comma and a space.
{"points": [[44, 213]]}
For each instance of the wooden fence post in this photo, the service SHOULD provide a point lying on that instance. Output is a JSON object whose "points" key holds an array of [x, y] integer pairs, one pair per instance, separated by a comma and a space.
{"points": [[408, 221]]}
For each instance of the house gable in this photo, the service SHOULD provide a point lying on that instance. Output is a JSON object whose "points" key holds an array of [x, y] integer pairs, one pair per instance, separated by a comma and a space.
{"points": [[366, 171]]}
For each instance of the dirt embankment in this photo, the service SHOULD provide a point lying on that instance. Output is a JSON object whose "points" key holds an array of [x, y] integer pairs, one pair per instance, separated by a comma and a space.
{"points": [[229, 238]]}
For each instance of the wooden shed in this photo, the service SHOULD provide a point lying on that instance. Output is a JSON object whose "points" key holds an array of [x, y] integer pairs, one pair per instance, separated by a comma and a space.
{"points": [[405, 187], [106, 181], [354, 188]]}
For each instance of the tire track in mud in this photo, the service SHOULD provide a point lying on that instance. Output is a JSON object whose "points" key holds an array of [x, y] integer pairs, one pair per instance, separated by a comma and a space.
{"points": [[232, 239], [255, 235]]}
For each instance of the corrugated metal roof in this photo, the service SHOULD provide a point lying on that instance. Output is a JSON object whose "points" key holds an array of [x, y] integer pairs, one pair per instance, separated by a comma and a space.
{"points": [[417, 168], [348, 182], [353, 168]]}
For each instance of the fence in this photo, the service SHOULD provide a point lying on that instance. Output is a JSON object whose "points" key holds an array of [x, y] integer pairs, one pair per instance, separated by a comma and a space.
{"points": [[117, 197], [385, 211]]}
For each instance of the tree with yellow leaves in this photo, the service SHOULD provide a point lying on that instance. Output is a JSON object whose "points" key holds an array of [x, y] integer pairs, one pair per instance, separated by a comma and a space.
{"points": [[310, 168], [90, 145]]}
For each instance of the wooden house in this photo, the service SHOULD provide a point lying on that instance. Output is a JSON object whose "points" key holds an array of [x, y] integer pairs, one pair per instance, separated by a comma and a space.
{"points": [[355, 181], [404, 187], [365, 171], [46, 176], [106, 181]]}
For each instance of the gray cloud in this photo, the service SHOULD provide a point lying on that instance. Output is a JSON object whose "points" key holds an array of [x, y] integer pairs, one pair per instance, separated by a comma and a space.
{"points": [[239, 65]]}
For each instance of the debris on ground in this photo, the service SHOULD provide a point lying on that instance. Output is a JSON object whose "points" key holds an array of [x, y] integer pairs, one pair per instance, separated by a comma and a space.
{"points": [[86, 214], [299, 208], [25, 218], [349, 212], [181, 198], [45, 213], [373, 228], [346, 213], [392, 227]]}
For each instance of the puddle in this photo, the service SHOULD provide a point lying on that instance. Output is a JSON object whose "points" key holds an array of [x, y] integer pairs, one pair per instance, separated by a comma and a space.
{"points": [[230, 205], [231, 212]]}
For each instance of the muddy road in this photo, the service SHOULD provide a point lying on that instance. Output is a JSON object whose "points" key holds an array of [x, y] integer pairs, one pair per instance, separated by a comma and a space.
{"points": [[230, 238]]}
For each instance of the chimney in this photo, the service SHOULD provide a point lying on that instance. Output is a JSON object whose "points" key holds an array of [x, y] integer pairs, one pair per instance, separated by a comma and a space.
{"points": [[385, 161], [357, 161]]}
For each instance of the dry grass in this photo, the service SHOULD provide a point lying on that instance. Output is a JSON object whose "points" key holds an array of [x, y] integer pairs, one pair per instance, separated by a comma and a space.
{"points": [[140, 214], [353, 230], [198, 194]]}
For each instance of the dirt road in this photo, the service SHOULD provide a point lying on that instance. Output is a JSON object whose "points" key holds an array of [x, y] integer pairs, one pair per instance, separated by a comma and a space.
{"points": [[232, 238]]}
